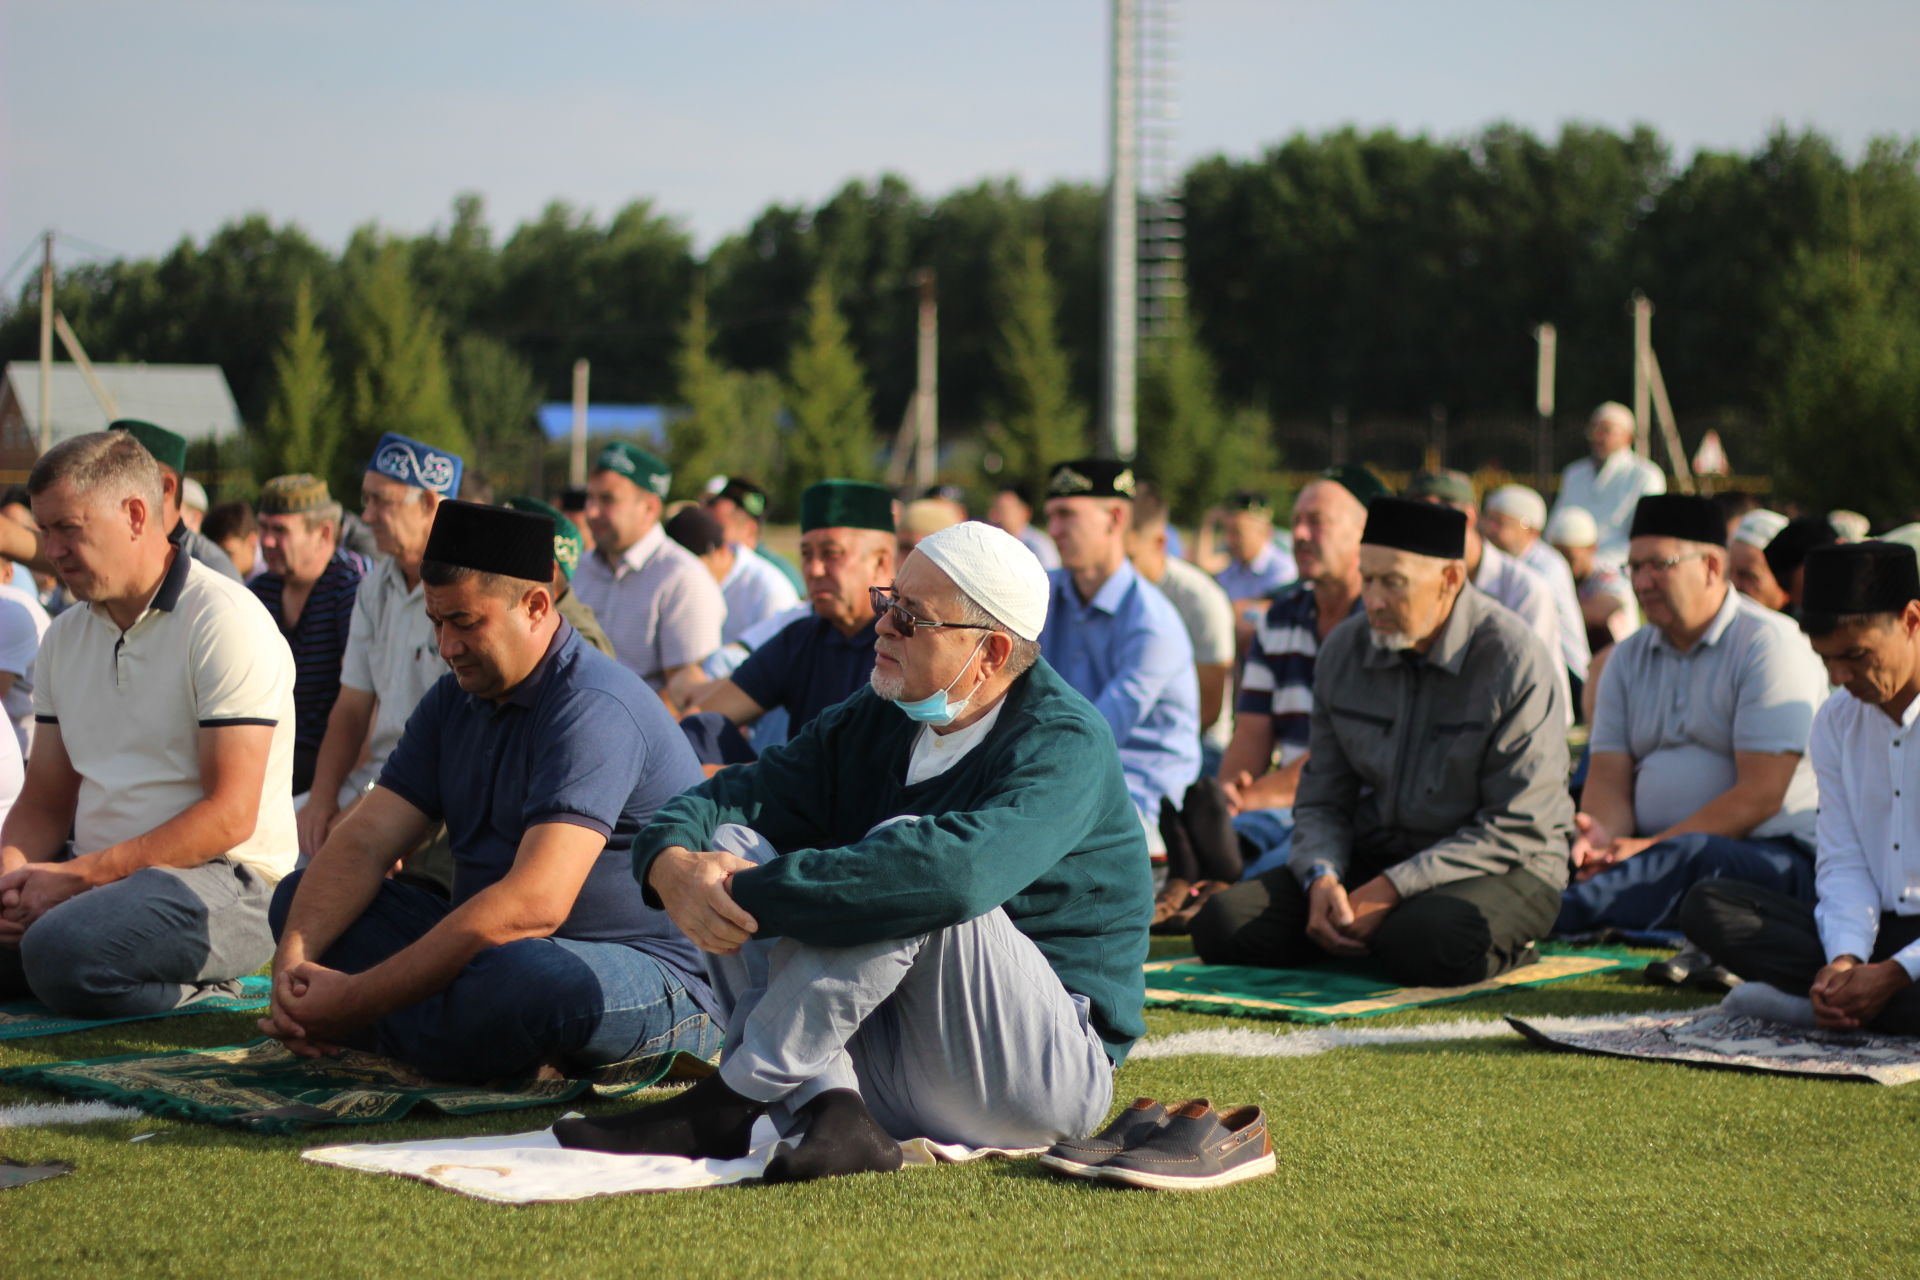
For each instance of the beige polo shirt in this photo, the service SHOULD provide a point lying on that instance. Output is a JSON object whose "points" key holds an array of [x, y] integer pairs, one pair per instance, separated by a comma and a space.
{"points": [[130, 706], [392, 654]]}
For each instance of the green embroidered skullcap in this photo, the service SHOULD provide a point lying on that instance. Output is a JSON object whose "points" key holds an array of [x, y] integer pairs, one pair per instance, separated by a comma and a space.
{"points": [[1357, 480], [566, 534], [637, 465], [292, 495], [1453, 487], [846, 504], [168, 449]]}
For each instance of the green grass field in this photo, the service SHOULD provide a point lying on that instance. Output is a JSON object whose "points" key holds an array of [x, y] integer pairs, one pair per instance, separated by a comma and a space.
{"points": [[1473, 1157]]}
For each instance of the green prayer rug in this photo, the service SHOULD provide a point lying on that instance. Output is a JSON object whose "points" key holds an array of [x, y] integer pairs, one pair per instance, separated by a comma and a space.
{"points": [[262, 1087], [1336, 991], [22, 1018]]}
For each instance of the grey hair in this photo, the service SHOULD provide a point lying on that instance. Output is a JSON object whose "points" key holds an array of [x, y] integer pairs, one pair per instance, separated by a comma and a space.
{"points": [[1025, 652], [100, 460], [324, 512]]}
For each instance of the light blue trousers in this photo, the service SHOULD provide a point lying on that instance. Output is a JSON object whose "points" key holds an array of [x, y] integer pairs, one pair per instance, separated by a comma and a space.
{"points": [[960, 1035]]}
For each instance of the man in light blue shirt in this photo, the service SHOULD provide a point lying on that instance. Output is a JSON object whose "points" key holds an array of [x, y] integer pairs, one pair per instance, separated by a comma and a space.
{"points": [[1610, 484], [1113, 637], [1257, 566]]}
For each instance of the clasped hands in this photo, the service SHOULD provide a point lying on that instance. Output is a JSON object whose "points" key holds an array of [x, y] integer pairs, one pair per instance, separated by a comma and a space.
{"points": [[1340, 922], [1848, 994], [28, 890], [1595, 849], [312, 1006], [696, 888]]}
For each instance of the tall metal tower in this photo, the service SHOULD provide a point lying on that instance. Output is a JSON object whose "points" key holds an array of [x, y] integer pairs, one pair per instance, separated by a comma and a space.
{"points": [[1117, 398], [1162, 248]]}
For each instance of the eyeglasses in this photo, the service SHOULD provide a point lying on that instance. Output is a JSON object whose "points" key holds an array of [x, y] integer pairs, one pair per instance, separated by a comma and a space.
{"points": [[1663, 565], [884, 602]]}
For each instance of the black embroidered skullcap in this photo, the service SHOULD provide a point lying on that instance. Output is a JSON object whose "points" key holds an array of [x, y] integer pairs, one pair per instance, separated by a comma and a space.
{"points": [[1423, 528], [1789, 548], [1357, 480], [1679, 515], [1092, 478], [1860, 577], [696, 529], [742, 493], [513, 544]]}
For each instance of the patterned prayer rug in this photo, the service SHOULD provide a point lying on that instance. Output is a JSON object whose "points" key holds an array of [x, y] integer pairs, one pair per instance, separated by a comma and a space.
{"points": [[1339, 990], [262, 1087], [22, 1018], [1710, 1038]]}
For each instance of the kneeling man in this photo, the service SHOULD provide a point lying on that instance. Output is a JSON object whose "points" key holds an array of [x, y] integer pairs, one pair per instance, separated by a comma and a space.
{"points": [[927, 913], [1850, 959], [545, 759], [164, 749], [1432, 816]]}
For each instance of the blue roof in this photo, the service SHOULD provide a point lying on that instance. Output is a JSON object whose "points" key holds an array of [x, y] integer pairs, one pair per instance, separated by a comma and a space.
{"points": [[648, 421]]}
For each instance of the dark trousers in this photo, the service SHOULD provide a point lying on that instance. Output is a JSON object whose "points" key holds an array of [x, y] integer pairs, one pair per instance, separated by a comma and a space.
{"points": [[1768, 936], [1462, 932]]}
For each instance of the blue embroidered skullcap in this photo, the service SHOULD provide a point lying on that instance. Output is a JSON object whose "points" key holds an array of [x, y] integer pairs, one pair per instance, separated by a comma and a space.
{"points": [[420, 465]]}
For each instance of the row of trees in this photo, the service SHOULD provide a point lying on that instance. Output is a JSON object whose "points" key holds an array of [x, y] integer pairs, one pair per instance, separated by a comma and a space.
{"points": [[1370, 277]]}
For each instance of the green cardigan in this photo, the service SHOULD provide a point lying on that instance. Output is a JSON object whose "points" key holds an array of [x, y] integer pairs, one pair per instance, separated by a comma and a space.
{"points": [[1034, 819]]}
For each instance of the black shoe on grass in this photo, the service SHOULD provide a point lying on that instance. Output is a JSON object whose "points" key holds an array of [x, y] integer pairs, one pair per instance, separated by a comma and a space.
{"points": [[1078, 1157], [1196, 1148]]}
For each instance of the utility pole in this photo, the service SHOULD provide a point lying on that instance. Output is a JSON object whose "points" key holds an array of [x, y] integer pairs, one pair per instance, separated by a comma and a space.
{"points": [[1117, 420], [46, 345], [1642, 354], [78, 354], [1549, 339], [1337, 436], [577, 464], [926, 386], [1436, 437]]}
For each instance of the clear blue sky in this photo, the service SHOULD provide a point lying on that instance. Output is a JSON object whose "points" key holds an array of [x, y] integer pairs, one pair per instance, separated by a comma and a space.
{"points": [[133, 122]]}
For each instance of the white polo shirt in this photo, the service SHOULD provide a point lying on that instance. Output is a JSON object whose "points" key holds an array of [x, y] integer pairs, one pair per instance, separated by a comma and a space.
{"points": [[130, 706], [22, 624], [392, 654]]}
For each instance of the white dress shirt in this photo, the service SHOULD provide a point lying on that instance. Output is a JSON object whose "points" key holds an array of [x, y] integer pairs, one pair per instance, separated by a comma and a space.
{"points": [[1868, 831], [1609, 492]]}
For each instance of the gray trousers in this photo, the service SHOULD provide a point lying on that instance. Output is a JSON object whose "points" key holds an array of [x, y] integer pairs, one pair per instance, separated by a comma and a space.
{"points": [[960, 1035], [144, 944]]}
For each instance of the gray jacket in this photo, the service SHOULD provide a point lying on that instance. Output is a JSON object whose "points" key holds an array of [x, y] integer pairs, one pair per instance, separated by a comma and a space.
{"points": [[1441, 767]]}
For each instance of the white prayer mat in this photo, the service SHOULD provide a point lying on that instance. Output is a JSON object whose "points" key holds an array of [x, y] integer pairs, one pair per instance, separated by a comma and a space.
{"points": [[1710, 1038], [533, 1168]]}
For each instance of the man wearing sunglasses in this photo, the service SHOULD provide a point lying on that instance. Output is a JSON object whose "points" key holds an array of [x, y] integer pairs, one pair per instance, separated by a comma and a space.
{"points": [[926, 914], [1699, 741]]}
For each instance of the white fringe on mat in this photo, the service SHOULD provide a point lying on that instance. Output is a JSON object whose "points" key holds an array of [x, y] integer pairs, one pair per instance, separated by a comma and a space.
{"points": [[1238, 1042], [21, 1114]]}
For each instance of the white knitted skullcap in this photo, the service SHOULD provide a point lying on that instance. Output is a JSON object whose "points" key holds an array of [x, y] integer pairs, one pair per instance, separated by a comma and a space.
{"points": [[1573, 527], [1520, 502], [1756, 528], [996, 570]]}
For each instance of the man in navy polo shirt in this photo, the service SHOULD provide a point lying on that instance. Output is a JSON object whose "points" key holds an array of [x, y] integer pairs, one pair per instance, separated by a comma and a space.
{"points": [[846, 548], [544, 759]]}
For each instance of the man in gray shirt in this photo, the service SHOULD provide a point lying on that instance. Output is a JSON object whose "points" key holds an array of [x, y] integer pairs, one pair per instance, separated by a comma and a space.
{"points": [[1699, 737], [1432, 816]]}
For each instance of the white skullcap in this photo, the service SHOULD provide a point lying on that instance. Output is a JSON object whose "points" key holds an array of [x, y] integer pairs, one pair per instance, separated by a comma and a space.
{"points": [[1573, 527], [1757, 528], [192, 496], [1850, 525], [1521, 503], [996, 570]]}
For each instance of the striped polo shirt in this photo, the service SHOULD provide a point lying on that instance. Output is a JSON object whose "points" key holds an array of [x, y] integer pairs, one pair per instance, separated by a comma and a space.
{"points": [[318, 640], [1278, 679]]}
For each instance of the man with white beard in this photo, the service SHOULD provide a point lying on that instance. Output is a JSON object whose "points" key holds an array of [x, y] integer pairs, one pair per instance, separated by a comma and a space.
{"points": [[1432, 818]]}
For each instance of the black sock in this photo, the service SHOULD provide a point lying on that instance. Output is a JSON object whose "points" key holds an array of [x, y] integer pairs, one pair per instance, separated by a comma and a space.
{"points": [[842, 1137], [1181, 864], [1216, 845], [708, 1120]]}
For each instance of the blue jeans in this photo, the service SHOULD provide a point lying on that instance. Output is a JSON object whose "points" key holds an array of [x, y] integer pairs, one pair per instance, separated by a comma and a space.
{"points": [[1271, 833], [539, 1000], [1644, 892]]}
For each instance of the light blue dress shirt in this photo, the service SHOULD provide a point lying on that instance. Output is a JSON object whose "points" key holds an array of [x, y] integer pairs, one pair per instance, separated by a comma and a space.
{"points": [[1126, 651], [1261, 576]]}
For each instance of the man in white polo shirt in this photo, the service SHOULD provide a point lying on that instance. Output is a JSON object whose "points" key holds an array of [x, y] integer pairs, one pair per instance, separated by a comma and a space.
{"points": [[659, 605], [164, 743]]}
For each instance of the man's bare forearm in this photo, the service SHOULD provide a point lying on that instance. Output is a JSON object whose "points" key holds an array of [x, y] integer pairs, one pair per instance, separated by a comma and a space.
{"points": [[347, 727], [197, 834], [35, 830]]}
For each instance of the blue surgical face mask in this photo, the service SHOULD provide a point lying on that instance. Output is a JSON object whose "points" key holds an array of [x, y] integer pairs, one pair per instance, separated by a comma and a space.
{"points": [[934, 709]]}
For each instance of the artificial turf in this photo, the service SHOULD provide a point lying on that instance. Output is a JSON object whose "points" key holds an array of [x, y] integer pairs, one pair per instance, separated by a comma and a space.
{"points": [[1471, 1157]]}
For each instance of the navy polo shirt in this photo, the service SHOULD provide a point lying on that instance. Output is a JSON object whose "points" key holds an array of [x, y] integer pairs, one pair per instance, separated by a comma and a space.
{"points": [[582, 740], [807, 668]]}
